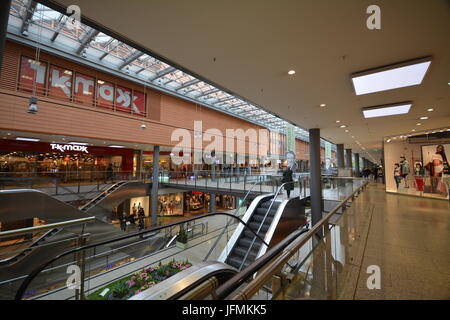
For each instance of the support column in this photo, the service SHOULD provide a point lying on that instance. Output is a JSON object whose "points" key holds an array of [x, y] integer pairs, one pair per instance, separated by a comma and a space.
{"points": [[315, 175], [348, 159], [212, 203], [5, 6], [155, 185], [357, 164], [340, 155]]}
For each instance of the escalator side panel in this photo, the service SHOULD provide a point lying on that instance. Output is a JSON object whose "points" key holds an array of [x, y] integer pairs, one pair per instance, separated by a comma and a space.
{"points": [[240, 229]]}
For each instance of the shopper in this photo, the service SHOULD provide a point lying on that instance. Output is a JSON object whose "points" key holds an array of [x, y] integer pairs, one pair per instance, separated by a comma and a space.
{"points": [[123, 222], [141, 217], [287, 179], [397, 175]]}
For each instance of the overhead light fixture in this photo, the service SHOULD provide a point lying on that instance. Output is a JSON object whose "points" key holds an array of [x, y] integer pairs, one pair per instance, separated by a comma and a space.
{"points": [[423, 118], [343, 126], [32, 107], [430, 110], [291, 72], [419, 124], [28, 139], [337, 121], [413, 130], [346, 130], [323, 105], [387, 110], [399, 75], [116, 146]]}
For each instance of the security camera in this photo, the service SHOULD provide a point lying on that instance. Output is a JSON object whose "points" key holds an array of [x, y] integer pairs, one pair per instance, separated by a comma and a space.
{"points": [[143, 126]]}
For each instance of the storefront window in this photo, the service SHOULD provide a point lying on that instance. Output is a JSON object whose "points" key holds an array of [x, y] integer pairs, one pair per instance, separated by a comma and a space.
{"points": [[170, 204]]}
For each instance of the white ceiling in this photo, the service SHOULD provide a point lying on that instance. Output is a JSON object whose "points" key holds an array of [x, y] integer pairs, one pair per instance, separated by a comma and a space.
{"points": [[248, 46]]}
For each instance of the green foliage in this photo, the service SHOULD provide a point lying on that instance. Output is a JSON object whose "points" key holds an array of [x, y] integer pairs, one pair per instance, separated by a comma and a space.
{"points": [[120, 290], [182, 236]]}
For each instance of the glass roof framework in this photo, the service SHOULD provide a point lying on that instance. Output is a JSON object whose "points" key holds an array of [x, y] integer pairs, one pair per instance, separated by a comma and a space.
{"points": [[55, 28]]}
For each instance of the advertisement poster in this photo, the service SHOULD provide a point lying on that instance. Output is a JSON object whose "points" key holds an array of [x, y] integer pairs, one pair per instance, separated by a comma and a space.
{"points": [[60, 83], [105, 94], [84, 89], [436, 166], [123, 99], [32, 71], [138, 104], [415, 169]]}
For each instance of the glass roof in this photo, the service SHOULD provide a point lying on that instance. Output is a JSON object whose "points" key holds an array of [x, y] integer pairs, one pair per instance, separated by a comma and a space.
{"points": [[34, 21]]}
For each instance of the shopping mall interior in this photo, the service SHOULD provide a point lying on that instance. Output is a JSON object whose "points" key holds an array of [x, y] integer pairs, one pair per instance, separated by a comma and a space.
{"points": [[225, 150]]}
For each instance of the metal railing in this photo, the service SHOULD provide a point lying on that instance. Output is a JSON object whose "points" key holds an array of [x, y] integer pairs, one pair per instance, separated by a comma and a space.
{"points": [[27, 281], [278, 257]]}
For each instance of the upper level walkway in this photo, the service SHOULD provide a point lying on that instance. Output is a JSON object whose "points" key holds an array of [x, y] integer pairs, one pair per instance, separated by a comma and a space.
{"points": [[406, 237]]}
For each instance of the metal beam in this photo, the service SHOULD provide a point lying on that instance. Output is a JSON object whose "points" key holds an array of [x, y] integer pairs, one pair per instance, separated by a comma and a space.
{"points": [[130, 59], [188, 84], [163, 73], [87, 39], [226, 99], [59, 27], [207, 93], [26, 19]]}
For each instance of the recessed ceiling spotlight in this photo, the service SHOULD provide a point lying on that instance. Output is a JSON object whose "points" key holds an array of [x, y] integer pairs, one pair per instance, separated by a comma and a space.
{"points": [[405, 74], [423, 118], [430, 109], [291, 72], [419, 124], [413, 130], [337, 121], [346, 130], [343, 126], [323, 105]]}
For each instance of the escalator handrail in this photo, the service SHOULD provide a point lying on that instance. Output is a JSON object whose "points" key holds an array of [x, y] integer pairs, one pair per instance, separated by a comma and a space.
{"points": [[263, 220], [237, 280], [86, 206], [228, 222], [24, 285]]}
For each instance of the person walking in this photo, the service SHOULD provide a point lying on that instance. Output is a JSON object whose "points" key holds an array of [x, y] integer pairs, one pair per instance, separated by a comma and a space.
{"points": [[123, 222], [287, 179], [397, 175]]}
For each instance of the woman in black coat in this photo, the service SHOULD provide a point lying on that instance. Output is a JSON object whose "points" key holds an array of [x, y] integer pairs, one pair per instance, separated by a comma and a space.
{"points": [[287, 177]]}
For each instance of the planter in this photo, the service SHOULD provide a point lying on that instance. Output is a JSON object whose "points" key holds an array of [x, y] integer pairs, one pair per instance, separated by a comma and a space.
{"points": [[182, 245]]}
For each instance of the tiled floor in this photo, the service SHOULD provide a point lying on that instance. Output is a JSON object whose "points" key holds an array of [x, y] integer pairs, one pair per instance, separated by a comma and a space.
{"points": [[409, 239]]}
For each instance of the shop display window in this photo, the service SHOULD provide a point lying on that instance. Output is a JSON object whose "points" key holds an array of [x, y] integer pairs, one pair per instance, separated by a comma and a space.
{"points": [[170, 204]]}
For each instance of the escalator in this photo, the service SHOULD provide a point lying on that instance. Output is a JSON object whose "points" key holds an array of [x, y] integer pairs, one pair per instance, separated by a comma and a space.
{"points": [[22, 204], [272, 218], [247, 245]]}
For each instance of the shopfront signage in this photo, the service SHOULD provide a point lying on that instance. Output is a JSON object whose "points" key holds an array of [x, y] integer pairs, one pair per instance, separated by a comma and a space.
{"points": [[68, 147]]}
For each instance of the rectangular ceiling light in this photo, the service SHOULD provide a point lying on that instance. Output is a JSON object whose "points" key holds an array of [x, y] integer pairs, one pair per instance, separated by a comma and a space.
{"points": [[114, 146], [28, 139], [79, 143], [391, 77], [387, 110]]}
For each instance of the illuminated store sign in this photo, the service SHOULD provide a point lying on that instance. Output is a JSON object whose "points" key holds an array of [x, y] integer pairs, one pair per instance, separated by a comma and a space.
{"points": [[68, 147]]}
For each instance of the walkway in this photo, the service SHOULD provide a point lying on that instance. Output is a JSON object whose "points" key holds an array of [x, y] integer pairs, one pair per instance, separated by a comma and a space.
{"points": [[408, 238]]}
